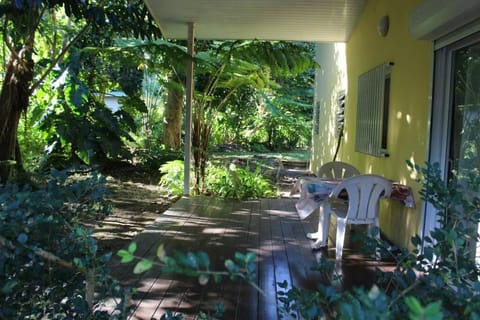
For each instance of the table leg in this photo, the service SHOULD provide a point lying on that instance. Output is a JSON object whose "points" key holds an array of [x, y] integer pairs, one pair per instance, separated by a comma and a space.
{"points": [[323, 224]]}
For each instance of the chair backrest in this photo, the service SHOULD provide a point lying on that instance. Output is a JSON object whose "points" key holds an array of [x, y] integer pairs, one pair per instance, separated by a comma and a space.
{"points": [[337, 170], [364, 192]]}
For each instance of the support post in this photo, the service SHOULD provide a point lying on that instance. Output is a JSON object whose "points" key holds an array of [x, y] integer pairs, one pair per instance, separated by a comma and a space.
{"points": [[188, 110]]}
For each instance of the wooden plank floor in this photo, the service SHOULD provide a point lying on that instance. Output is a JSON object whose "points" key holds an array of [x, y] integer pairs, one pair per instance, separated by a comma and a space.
{"points": [[269, 227]]}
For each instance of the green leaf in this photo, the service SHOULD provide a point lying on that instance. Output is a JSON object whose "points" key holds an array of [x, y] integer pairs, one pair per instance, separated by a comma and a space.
{"points": [[231, 266], [78, 262], [191, 260], [132, 247], [142, 266], [125, 255], [239, 256], [203, 259], [250, 257], [283, 284], [105, 257], [433, 311], [251, 267]]}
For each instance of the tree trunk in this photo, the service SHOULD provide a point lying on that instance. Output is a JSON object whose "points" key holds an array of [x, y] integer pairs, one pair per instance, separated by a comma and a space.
{"points": [[172, 123], [14, 100], [200, 141]]}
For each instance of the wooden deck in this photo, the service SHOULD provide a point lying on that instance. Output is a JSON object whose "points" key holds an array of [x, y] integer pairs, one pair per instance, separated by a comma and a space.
{"points": [[269, 227]]}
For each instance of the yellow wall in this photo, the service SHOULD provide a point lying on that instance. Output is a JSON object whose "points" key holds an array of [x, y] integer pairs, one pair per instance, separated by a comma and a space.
{"points": [[408, 123]]}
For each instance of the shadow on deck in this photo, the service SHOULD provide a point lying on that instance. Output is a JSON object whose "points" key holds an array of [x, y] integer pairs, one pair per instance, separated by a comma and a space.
{"points": [[269, 227]]}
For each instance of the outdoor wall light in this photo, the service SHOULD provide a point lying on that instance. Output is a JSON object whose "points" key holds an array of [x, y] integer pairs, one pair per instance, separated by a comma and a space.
{"points": [[382, 26]]}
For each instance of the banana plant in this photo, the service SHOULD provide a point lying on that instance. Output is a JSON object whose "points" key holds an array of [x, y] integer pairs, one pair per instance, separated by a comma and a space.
{"points": [[225, 68]]}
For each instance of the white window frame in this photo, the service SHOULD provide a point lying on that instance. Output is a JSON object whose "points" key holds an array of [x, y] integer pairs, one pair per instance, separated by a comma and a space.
{"points": [[441, 112], [372, 111]]}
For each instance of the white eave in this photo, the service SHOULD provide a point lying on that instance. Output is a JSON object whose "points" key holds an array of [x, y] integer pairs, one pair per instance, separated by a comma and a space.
{"points": [[433, 19], [291, 20]]}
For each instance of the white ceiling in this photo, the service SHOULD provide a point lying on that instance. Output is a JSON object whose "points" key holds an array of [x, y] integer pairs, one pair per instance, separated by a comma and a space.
{"points": [[295, 20]]}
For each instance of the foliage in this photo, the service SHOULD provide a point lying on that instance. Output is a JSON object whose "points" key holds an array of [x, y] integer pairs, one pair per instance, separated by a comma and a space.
{"points": [[32, 141], [155, 156], [230, 74], [173, 177], [272, 122], [284, 110], [38, 35], [47, 254], [69, 123], [68, 118], [82, 128], [231, 182], [238, 183], [86, 131], [150, 122]]}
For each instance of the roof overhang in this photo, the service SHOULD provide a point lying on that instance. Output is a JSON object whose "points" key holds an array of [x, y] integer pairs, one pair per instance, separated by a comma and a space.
{"points": [[433, 19], [290, 20]]}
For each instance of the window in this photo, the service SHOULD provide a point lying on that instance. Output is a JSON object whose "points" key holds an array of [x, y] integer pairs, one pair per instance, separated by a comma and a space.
{"points": [[372, 111]]}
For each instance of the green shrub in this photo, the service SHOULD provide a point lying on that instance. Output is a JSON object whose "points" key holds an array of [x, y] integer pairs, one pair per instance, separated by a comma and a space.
{"points": [[154, 155], [238, 183], [172, 177], [232, 182], [47, 254]]}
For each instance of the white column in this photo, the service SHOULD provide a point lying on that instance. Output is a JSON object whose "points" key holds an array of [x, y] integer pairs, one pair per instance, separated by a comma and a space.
{"points": [[188, 111]]}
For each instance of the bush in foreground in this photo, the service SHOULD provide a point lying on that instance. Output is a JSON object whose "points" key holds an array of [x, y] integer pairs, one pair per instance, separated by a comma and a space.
{"points": [[50, 267]]}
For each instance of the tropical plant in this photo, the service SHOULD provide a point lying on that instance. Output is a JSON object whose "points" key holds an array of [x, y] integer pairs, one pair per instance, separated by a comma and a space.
{"points": [[50, 265], [231, 182], [164, 64], [28, 63], [85, 131], [150, 126], [238, 183], [173, 177], [224, 70]]}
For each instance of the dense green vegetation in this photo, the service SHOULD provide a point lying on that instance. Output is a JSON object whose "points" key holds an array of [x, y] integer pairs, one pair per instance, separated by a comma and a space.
{"points": [[53, 75], [224, 179], [250, 94], [47, 254]]}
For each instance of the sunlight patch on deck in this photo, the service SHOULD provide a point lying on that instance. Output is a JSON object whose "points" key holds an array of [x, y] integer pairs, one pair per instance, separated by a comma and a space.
{"points": [[279, 212], [218, 230]]}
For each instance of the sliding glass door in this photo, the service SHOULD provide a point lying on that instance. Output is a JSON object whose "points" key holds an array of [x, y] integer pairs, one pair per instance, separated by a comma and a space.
{"points": [[465, 127], [464, 154], [455, 140]]}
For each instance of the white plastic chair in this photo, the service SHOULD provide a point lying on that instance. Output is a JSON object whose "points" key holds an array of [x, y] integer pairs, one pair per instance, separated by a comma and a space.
{"points": [[337, 170], [334, 170], [364, 192]]}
